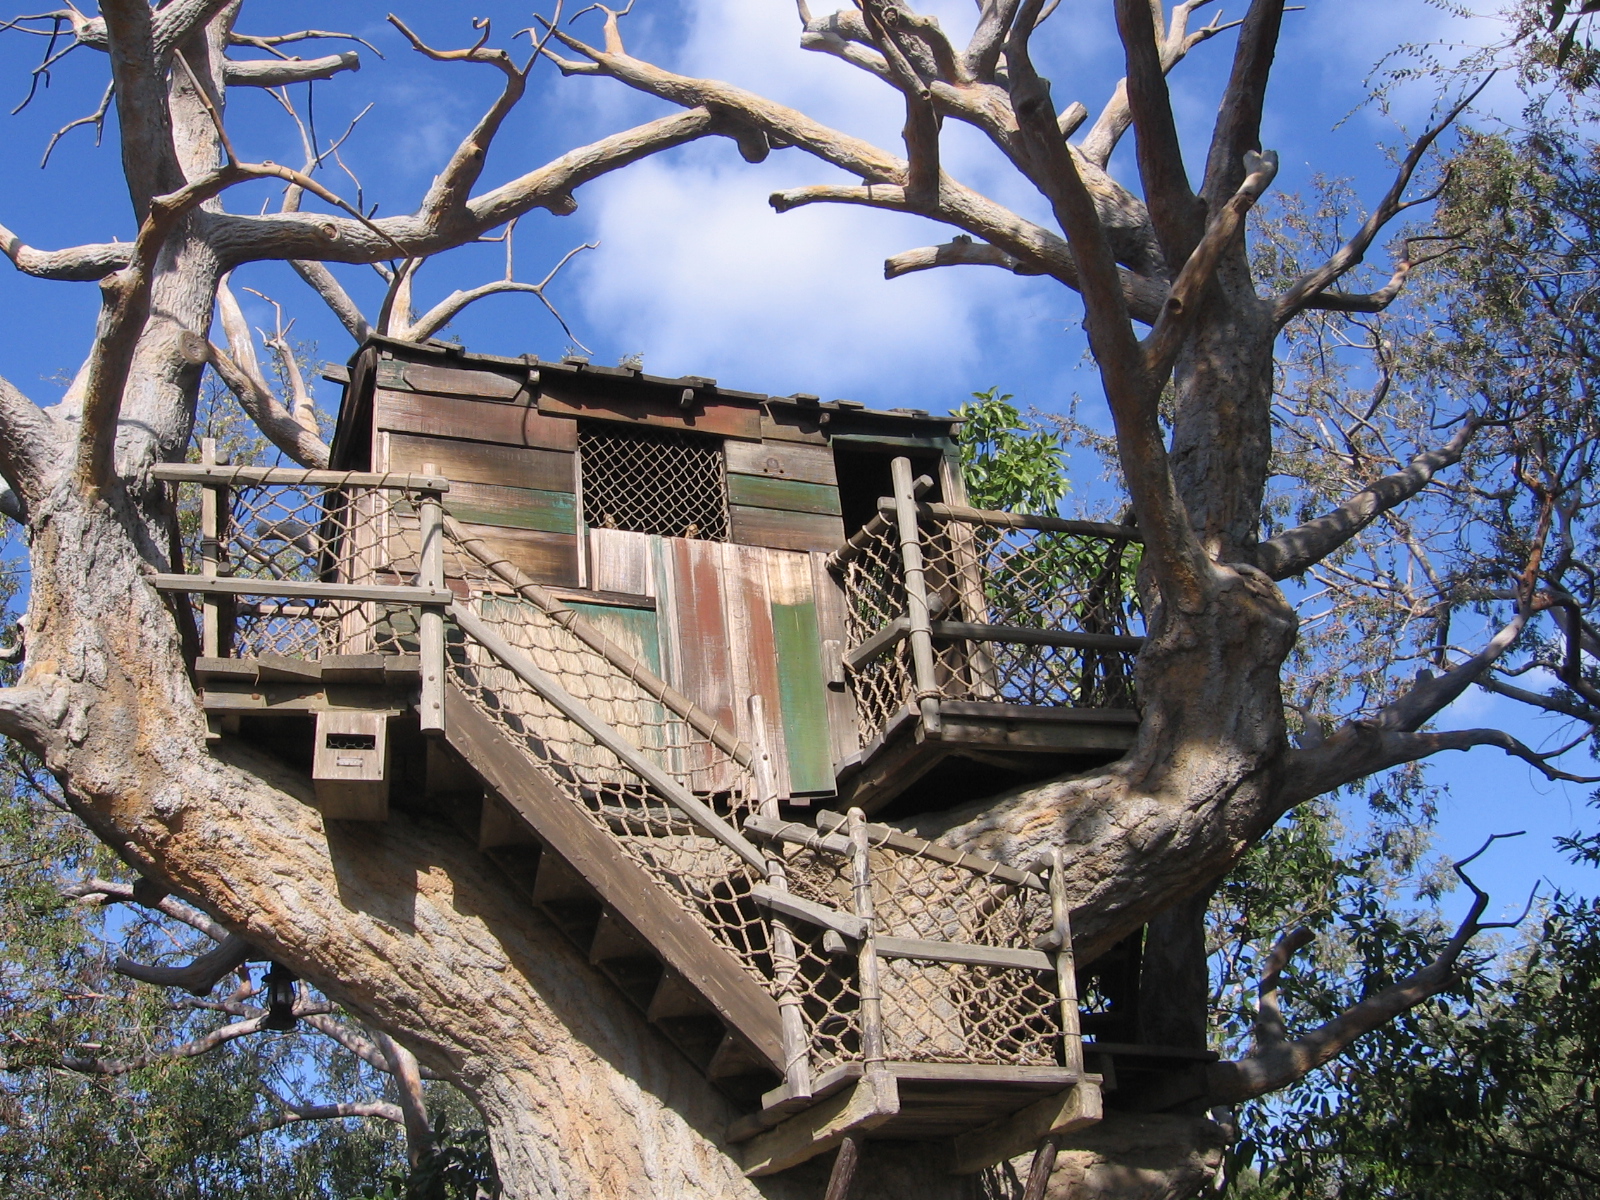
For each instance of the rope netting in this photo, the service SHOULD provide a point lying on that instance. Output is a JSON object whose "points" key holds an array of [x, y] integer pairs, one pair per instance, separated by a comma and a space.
{"points": [[994, 575]]}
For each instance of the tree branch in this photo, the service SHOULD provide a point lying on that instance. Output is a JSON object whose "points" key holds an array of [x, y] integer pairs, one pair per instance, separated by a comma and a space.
{"points": [[408, 1083], [200, 976], [28, 443], [106, 891], [1351, 254], [1277, 1062], [292, 1114], [272, 72], [363, 1049], [1176, 213], [1296, 550], [81, 264], [1238, 127], [958, 252]]}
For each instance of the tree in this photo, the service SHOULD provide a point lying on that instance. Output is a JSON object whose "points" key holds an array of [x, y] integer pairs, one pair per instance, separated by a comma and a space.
{"points": [[575, 1096]]}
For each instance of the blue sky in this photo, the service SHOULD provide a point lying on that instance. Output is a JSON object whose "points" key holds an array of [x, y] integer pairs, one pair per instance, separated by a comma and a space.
{"points": [[698, 274]]}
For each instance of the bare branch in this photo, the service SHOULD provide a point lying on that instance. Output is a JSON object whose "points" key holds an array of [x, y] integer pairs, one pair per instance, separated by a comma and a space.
{"points": [[1350, 255], [200, 976], [332, 292], [1296, 550], [408, 1084], [331, 1027], [292, 1114], [1238, 127], [1221, 232], [81, 264], [271, 42], [1269, 1016], [1276, 1062], [960, 251], [97, 1065], [97, 118], [452, 305], [1175, 211], [106, 891], [28, 443], [271, 72]]}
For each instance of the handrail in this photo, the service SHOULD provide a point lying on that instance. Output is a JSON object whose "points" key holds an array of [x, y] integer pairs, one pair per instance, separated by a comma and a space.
{"points": [[657, 688], [558, 697], [222, 474], [1038, 522]]}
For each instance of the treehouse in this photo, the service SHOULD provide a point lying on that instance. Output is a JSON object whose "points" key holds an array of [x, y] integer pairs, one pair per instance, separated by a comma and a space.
{"points": [[663, 648]]}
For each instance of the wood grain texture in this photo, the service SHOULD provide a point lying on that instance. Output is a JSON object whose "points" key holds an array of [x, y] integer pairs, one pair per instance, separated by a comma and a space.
{"points": [[843, 731], [622, 561], [778, 460], [784, 424], [484, 462], [546, 557], [457, 381], [628, 407], [784, 530], [475, 420], [752, 651], [803, 700], [514, 507], [699, 630], [786, 495]]}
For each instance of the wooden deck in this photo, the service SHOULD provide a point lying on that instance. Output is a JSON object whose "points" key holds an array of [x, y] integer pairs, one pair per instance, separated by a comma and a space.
{"points": [[1020, 742]]}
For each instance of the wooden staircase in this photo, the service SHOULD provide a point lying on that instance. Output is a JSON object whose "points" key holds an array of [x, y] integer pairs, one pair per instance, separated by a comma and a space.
{"points": [[685, 984]]}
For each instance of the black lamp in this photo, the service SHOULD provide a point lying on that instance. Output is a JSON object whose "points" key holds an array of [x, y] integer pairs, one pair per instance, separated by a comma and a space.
{"points": [[279, 983]]}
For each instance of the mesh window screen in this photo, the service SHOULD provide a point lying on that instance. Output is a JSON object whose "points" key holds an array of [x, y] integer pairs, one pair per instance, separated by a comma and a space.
{"points": [[653, 481]]}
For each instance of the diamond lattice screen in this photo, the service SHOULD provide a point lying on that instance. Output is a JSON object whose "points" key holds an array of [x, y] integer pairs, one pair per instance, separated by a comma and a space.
{"points": [[664, 482]]}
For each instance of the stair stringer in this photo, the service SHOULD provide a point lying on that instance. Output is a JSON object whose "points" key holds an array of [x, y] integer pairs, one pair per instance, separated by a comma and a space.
{"points": [[623, 886]]}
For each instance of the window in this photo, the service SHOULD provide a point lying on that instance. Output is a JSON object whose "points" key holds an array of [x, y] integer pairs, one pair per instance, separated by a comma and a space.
{"points": [[662, 481]]}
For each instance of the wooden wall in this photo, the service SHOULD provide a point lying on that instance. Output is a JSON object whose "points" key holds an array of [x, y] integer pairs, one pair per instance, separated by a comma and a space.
{"points": [[722, 620]]}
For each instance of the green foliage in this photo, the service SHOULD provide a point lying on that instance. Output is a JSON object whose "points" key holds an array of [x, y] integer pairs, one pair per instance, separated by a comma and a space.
{"points": [[1006, 462], [457, 1166]]}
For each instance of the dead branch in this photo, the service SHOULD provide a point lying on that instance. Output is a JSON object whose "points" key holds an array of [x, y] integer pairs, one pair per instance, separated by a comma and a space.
{"points": [[1276, 1062], [1269, 1024], [201, 975], [270, 73], [1238, 127], [80, 264], [271, 42], [1296, 550], [97, 118], [28, 440], [112, 1067], [334, 1029], [1351, 254], [959, 251], [408, 1084]]}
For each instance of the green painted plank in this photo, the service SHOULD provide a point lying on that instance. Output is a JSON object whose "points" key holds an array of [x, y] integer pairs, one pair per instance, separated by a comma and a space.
{"points": [[787, 495], [514, 508], [803, 694], [634, 629]]}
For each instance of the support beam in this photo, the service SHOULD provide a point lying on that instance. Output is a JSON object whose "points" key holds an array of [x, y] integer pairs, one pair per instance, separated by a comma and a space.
{"points": [[819, 1129], [1075, 1108]]}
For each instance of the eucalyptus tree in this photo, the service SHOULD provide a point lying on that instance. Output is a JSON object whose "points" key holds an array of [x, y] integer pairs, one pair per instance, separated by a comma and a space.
{"points": [[406, 926]]}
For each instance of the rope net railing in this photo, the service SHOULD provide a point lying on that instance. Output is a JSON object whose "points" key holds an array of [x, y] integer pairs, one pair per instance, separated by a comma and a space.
{"points": [[1017, 614], [922, 896]]}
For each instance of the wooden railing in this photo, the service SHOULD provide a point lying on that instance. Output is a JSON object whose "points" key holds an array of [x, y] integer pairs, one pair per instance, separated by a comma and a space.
{"points": [[950, 603]]}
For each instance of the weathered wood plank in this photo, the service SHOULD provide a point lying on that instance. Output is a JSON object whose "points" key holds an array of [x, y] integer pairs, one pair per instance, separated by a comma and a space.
{"points": [[806, 464], [299, 588], [514, 507], [752, 651], [843, 731], [786, 495], [781, 423], [884, 835], [622, 885], [1021, 635], [622, 561], [457, 381], [546, 557], [1076, 1108], [208, 473], [870, 1103], [1037, 736], [965, 953], [802, 690], [700, 629], [483, 462], [659, 409], [820, 915], [784, 530], [1030, 712], [473, 420]]}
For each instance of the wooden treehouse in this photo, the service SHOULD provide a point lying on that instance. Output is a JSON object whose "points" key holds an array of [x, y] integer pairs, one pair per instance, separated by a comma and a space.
{"points": [[660, 635]]}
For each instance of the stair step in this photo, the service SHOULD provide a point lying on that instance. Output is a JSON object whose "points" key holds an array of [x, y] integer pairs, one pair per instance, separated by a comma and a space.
{"points": [[732, 1059], [560, 884], [674, 998], [614, 940]]}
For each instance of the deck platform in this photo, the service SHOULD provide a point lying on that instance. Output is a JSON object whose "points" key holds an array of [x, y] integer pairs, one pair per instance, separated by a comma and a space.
{"points": [[1025, 743]]}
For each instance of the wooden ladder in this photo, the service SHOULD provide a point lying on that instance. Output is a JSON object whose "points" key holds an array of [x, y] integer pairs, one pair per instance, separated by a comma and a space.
{"points": [[686, 984]]}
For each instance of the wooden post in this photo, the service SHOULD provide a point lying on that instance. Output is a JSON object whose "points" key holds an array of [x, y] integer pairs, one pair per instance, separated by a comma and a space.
{"points": [[844, 1168], [785, 962], [431, 619], [1044, 1164], [216, 633], [872, 1045], [922, 663], [1066, 968]]}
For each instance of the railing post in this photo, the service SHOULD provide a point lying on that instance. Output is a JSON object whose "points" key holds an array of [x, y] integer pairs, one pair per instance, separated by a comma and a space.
{"points": [[872, 1043], [216, 634], [430, 623], [922, 662], [1066, 967], [785, 962]]}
